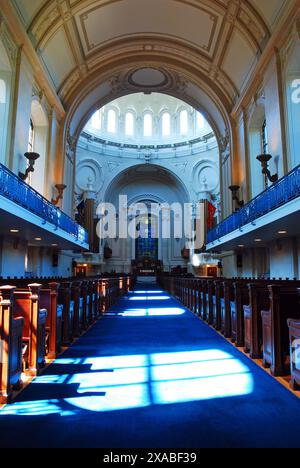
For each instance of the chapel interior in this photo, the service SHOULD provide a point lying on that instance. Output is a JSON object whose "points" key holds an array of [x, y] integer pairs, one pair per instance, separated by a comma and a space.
{"points": [[178, 121]]}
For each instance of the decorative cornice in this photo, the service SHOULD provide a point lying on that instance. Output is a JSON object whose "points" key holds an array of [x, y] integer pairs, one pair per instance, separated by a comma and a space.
{"points": [[20, 38], [277, 41]]}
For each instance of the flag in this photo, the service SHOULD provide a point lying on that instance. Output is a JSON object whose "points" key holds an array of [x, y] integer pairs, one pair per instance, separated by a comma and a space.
{"points": [[211, 211]]}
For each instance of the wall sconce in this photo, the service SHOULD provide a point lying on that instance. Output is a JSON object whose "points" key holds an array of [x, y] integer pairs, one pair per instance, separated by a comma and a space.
{"points": [[264, 161], [31, 157], [234, 190], [60, 188]]}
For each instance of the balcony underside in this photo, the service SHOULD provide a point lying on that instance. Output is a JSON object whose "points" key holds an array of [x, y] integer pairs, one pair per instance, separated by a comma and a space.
{"points": [[266, 228], [31, 226]]}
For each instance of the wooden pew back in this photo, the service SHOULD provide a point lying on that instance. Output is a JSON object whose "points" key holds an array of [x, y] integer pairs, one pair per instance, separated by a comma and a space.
{"points": [[11, 332], [284, 305]]}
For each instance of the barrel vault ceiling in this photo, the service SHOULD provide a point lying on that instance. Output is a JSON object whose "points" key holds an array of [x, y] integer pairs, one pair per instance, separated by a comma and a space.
{"points": [[224, 38]]}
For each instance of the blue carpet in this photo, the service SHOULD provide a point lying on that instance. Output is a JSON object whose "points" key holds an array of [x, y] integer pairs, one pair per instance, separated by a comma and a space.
{"points": [[152, 375]]}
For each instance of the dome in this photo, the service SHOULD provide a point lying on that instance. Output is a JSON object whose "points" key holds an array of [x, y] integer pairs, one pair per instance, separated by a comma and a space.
{"points": [[155, 119]]}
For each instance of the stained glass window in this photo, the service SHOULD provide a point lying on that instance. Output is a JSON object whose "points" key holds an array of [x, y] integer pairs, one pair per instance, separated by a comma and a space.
{"points": [[147, 240]]}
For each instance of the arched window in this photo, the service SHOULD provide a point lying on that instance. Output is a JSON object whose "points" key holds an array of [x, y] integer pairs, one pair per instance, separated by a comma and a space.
{"points": [[292, 82], [264, 138], [111, 121], [31, 137], [97, 120], [2, 92], [38, 143], [200, 120], [148, 125], [5, 97], [129, 124], [258, 144], [166, 124], [184, 124]]}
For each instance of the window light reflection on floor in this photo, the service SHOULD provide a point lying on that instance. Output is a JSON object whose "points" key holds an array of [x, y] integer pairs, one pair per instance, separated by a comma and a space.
{"points": [[153, 312], [149, 298], [148, 292], [137, 381]]}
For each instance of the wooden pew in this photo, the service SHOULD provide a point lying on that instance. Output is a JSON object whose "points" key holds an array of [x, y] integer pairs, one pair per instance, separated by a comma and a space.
{"points": [[91, 302], [84, 294], [233, 297], [64, 298], [48, 297], [226, 296], [49, 301], [259, 299], [27, 305], [203, 301], [198, 289], [294, 334], [241, 299], [216, 304], [284, 305], [11, 336], [78, 308]]}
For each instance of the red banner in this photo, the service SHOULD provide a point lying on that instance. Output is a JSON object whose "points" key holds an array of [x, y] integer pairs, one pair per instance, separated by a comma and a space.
{"points": [[211, 211]]}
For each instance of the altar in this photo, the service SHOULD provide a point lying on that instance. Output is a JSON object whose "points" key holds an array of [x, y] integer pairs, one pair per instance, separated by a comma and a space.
{"points": [[146, 267]]}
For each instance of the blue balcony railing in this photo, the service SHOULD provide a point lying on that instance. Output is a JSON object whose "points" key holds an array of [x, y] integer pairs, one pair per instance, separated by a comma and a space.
{"points": [[283, 191], [13, 188]]}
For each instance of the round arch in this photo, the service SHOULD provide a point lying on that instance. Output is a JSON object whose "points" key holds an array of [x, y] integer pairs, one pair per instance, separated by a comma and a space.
{"points": [[153, 185], [146, 171], [185, 81], [40, 125]]}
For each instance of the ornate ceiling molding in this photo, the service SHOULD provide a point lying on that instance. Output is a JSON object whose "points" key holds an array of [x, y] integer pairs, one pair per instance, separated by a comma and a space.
{"points": [[178, 87], [77, 18]]}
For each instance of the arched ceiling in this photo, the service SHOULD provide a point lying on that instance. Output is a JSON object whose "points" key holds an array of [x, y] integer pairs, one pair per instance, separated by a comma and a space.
{"points": [[86, 44], [143, 181]]}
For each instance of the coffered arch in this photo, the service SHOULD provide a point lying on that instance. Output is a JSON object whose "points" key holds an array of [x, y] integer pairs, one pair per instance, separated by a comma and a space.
{"points": [[86, 43], [182, 80], [72, 37], [143, 173]]}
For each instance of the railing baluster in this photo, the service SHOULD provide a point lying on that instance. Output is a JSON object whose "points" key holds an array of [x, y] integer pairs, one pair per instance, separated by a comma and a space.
{"points": [[280, 193], [16, 190]]}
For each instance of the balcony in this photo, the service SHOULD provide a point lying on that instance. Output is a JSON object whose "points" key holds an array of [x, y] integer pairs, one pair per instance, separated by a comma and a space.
{"points": [[275, 209], [22, 206]]}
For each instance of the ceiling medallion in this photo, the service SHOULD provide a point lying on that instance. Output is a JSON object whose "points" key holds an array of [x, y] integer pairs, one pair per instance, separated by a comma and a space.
{"points": [[149, 80]]}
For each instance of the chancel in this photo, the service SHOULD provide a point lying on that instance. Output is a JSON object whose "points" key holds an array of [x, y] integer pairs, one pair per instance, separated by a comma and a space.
{"points": [[149, 225]]}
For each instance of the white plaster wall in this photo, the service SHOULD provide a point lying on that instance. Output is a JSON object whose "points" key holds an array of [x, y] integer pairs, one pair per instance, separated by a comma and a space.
{"points": [[12, 258], [24, 99], [167, 178], [92, 162], [229, 265], [273, 118], [284, 259]]}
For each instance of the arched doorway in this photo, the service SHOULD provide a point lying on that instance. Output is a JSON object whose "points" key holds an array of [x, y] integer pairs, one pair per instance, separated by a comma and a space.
{"points": [[147, 190]]}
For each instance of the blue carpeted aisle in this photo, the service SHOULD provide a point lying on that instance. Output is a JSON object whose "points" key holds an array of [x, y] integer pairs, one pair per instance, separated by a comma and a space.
{"points": [[150, 374]]}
